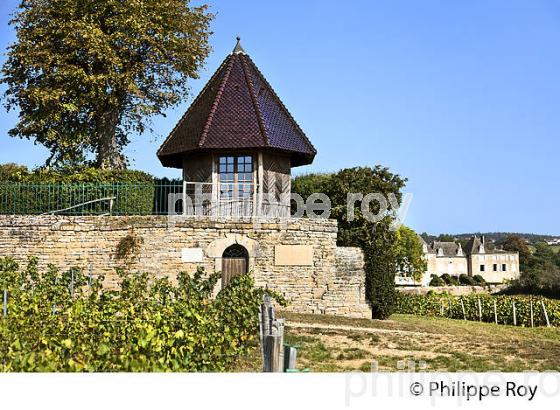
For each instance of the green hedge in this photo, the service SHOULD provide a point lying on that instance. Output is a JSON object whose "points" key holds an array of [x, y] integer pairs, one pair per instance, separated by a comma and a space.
{"points": [[34, 192], [465, 279], [38, 198], [443, 305], [436, 281], [450, 280], [74, 175]]}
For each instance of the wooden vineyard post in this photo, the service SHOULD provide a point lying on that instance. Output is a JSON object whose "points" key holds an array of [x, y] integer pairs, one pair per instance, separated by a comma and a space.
{"points": [[531, 311], [514, 314], [264, 321], [545, 314], [479, 310], [271, 353], [72, 284], [54, 301], [442, 308], [90, 274], [271, 334], [290, 355], [463, 307], [495, 312], [5, 304], [278, 330], [261, 329], [273, 350]]}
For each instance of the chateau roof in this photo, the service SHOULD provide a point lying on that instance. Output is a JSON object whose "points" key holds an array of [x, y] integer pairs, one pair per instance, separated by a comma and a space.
{"points": [[449, 248], [236, 109], [473, 245]]}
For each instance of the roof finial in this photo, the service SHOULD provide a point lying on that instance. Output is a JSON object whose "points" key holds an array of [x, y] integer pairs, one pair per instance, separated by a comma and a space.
{"points": [[238, 49]]}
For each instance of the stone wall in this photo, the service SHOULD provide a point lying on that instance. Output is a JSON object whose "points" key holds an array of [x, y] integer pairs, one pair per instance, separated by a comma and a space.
{"points": [[349, 283], [332, 281]]}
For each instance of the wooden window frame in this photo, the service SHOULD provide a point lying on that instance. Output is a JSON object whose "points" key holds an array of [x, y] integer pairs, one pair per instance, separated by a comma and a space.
{"points": [[238, 163]]}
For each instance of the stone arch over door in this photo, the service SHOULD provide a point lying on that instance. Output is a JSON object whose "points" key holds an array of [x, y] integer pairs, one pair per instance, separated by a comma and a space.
{"points": [[216, 249]]}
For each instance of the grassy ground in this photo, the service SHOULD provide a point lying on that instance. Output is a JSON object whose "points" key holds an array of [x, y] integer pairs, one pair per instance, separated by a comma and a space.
{"points": [[406, 342]]}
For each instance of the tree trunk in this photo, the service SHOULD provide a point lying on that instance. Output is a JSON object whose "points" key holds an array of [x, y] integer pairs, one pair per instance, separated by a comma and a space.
{"points": [[108, 152]]}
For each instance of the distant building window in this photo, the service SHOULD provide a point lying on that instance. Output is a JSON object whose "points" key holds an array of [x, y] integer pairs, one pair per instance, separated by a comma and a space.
{"points": [[482, 268], [504, 267], [495, 267]]}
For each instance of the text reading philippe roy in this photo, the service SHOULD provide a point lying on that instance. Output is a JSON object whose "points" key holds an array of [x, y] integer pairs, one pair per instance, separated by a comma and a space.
{"points": [[475, 392]]}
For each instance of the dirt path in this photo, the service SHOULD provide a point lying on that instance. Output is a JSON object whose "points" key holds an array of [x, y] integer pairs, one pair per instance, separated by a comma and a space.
{"points": [[302, 325]]}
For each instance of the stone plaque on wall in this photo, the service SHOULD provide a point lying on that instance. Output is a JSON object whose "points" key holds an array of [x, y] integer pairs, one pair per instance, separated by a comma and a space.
{"points": [[191, 255], [293, 255]]}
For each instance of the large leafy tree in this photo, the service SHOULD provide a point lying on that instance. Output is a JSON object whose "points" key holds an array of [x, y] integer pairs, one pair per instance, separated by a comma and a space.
{"points": [[515, 243], [86, 73], [409, 253], [376, 238], [540, 268], [446, 237]]}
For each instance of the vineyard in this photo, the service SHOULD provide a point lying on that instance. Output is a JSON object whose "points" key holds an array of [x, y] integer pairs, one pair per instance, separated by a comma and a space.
{"points": [[68, 322], [509, 310]]}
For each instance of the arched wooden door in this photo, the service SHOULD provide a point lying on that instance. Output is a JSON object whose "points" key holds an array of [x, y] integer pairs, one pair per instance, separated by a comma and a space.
{"points": [[235, 261]]}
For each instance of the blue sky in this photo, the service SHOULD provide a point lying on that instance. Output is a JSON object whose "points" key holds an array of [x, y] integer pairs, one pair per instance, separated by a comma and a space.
{"points": [[462, 98]]}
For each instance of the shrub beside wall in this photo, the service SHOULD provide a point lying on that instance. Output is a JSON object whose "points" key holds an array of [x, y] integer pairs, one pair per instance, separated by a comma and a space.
{"points": [[464, 280], [467, 280], [435, 280]]}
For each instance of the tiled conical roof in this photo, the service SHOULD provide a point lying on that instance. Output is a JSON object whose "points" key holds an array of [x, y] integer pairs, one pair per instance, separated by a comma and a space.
{"points": [[237, 109]]}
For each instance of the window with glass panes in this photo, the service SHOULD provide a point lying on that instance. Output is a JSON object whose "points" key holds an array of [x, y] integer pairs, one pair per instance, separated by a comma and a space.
{"points": [[236, 177]]}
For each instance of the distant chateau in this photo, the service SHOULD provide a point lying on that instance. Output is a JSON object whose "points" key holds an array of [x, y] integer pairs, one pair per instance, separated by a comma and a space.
{"points": [[494, 265]]}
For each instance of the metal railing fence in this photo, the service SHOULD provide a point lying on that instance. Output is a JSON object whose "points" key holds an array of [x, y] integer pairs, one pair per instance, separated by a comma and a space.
{"points": [[118, 198], [236, 200]]}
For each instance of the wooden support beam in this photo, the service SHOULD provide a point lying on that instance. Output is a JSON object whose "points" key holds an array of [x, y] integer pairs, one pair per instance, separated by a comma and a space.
{"points": [[260, 183], [215, 186]]}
